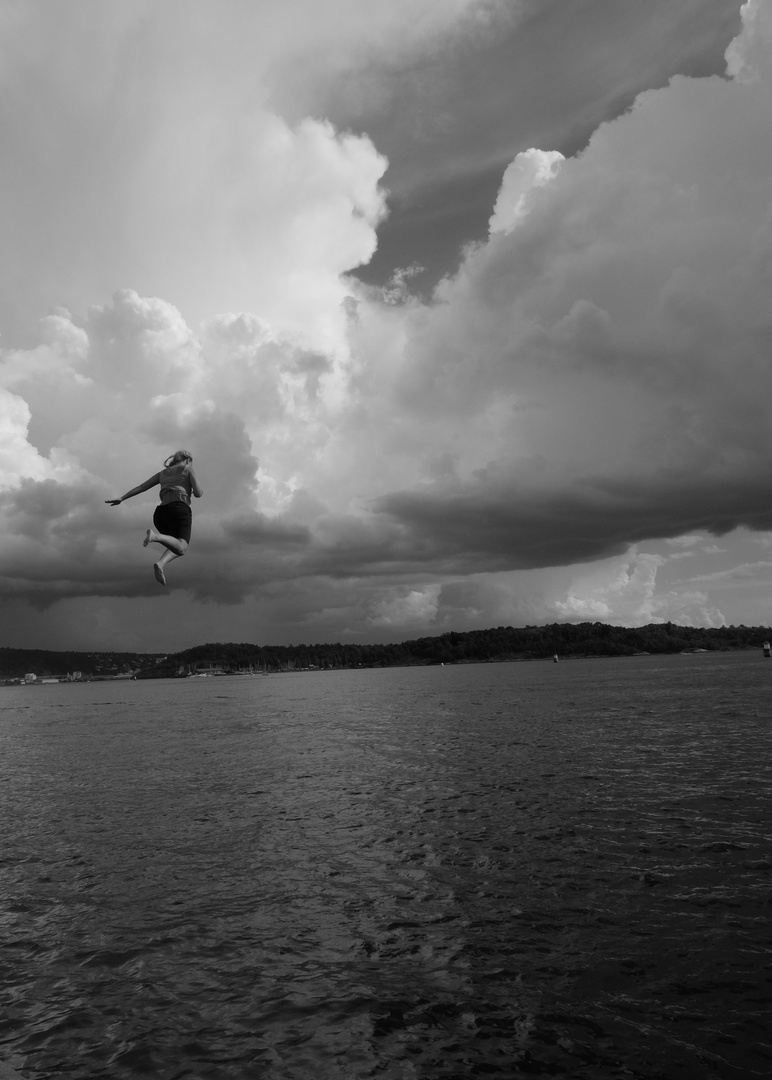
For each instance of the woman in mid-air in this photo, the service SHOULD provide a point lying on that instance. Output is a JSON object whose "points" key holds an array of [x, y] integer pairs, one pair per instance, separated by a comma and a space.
{"points": [[172, 518]]}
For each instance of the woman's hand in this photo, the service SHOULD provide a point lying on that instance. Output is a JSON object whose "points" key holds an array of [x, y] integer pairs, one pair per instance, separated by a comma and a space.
{"points": [[113, 502]]}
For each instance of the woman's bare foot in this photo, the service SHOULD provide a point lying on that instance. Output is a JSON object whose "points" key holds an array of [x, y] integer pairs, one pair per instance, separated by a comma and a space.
{"points": [[151, 537], [159, 574]]}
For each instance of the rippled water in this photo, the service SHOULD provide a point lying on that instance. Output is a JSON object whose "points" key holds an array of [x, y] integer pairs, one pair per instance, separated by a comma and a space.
{"points": [[494, 870]]}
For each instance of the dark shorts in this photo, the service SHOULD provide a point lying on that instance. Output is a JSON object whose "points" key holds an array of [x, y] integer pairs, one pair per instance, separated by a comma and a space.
{"points": [[174, 519]]}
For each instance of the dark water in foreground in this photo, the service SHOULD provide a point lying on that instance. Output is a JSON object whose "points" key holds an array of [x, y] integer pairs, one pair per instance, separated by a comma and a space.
{"points": [[498, 870]]}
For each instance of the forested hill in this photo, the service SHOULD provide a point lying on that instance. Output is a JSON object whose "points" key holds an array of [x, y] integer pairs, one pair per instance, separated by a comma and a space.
{"points": [[473, 646], [16, 663]]}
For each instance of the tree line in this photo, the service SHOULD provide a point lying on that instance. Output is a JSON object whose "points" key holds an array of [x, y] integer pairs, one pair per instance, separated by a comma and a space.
{"points": [[502, 643]]}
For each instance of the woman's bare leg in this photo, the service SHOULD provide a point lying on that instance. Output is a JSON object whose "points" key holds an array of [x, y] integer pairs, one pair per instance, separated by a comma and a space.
{"points": [[175, 549], [179, 547]]}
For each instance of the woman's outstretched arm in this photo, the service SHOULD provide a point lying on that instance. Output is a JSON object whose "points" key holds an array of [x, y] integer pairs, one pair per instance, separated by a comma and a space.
{"points": [[136, 490]]}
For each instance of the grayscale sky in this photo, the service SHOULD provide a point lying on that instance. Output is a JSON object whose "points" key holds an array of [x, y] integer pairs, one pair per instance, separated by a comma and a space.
{"points": [[462, 307]]}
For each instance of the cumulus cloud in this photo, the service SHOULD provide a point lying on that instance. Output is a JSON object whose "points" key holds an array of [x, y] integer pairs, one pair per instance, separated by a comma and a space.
{"points": [[594, 377], [412, 609], [608, 347], [531, 170], [159, 163], [627, 593], [148, 147]]}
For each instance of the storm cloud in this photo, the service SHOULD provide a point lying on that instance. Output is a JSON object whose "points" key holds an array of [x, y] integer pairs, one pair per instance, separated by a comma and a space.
{"points": [[593, 376]]}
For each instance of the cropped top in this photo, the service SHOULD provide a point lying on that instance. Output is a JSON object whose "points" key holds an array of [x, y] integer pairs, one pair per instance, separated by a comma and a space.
{"points": [[175, 484]]}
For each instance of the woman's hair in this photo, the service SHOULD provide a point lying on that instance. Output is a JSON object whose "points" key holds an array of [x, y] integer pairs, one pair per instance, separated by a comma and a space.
{"points": [[176, 457]]}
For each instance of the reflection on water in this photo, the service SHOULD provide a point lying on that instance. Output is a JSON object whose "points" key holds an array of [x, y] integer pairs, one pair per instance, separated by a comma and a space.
{"points": [[492, 870]]}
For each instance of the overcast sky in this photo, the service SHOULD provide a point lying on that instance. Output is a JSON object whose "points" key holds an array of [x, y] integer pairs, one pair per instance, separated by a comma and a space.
{"points": [[462, 307]]}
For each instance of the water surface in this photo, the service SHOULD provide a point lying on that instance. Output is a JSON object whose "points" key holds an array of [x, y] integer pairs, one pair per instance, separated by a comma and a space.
{"points": [[493, 870]]}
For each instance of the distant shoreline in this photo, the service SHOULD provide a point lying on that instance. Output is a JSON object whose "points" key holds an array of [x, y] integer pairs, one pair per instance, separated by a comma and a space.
{"points": [[555, 643]]}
